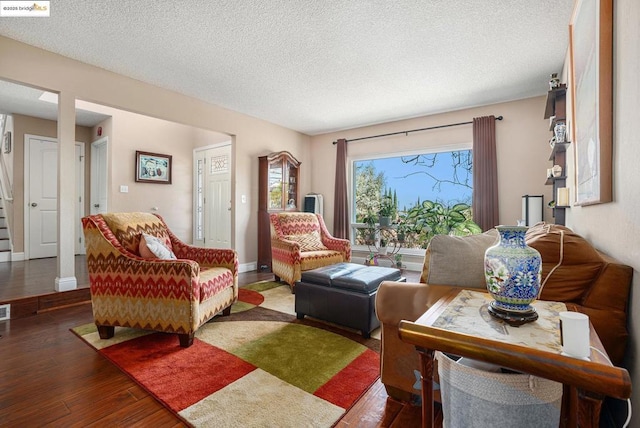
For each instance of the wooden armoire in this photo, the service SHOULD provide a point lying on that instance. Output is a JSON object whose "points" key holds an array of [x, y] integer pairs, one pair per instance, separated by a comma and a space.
{"points": [[278, 190]]}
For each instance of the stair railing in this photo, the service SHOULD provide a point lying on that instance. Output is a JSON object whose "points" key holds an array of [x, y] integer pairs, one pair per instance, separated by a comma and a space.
{"points": [[5, 181]]}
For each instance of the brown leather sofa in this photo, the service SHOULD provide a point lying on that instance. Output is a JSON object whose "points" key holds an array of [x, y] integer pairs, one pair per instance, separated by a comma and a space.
{"points": [[573, 271]]}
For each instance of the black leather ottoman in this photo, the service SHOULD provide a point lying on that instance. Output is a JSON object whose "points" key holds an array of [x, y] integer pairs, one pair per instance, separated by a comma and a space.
{"points": [[343, 294]]}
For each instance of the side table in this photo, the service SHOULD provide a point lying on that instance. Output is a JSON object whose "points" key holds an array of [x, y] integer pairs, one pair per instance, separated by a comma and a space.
{"points": [[592, 380]]}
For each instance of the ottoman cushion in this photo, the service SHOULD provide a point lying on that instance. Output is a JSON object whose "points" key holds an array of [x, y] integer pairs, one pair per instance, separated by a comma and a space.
{"points": [[366, 280], [324, 275]]}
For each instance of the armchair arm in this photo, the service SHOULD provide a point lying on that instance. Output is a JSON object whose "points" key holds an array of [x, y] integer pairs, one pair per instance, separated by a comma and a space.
{"points": [[209, 257], [285, 250], [610, 290], [398, 301], [335, 244]]}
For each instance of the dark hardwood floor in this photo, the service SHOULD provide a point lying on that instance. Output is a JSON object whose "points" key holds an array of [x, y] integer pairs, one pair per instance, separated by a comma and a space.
{"points": [[35, 277], [48, 377]]}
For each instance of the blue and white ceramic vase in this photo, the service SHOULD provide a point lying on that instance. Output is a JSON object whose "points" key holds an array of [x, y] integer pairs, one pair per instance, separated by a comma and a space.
{"points": [[512, 271]]}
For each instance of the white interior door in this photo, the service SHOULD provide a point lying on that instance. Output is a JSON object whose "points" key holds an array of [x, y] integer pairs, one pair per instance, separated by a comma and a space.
{"points": [[79, 239], [99, 194], [212, 199], [43, 198]]}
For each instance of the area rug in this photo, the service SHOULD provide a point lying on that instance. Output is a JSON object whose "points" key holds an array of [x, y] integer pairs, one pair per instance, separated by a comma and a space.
{"points": [[260, 366]]}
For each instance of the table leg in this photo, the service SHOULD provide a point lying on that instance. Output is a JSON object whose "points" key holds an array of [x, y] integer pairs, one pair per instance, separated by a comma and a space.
{"points": [[426, 372], [589, 406]]}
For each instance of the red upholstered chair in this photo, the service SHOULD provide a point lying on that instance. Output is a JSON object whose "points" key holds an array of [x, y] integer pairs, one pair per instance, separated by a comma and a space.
{"points": [[170, 295], [300, 241]]}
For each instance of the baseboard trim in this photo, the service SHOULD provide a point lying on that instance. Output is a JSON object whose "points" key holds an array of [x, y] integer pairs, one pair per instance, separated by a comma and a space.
{"points": [[66, 284], [17, 257], [247, 267]]}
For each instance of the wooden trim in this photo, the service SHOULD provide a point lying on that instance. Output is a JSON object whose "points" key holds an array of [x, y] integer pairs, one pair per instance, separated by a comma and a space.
{"points": [[602, 117]]}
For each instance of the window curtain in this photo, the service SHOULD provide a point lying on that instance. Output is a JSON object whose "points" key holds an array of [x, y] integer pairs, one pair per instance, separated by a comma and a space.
{"points": [[485, 173], [341, 204]]}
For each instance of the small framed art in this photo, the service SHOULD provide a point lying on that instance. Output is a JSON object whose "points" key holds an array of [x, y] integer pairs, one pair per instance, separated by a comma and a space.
{"points": [[153, 168]]}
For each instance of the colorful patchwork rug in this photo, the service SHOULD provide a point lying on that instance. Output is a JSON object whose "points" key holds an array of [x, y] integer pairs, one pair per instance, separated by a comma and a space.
{"points": [[260, 366]]}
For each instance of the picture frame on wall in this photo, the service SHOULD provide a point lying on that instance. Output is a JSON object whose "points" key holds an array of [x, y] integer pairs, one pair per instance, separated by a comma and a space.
{"points": [[153, 168], [591, 48]]}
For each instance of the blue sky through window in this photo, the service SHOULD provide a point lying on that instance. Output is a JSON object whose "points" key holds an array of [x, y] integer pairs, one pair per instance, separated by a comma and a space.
{"points": [[410, 181]]}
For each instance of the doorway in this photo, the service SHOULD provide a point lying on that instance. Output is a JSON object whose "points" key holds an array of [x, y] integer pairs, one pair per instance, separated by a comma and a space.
{"points": [[212, 197], [99, 176], [41, 195]]}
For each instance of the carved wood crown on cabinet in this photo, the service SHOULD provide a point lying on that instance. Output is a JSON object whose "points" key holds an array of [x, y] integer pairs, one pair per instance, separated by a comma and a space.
{"points": [[278, 190]]}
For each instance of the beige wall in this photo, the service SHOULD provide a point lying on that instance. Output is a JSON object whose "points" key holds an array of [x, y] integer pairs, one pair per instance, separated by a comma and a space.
{"points": [[42, 128], [521, 139], [614, 227], [128, 132], [252, 137]]}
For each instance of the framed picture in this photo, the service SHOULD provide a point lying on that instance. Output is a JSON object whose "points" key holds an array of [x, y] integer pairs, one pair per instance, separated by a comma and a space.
{"points": [[591, 45], [153, 168]]}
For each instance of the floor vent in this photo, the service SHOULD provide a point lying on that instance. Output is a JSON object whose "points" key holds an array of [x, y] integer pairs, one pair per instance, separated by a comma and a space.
{"points": [[5, 312]]}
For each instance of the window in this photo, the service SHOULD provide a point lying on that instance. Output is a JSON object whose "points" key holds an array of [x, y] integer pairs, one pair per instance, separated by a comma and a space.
{"points": [[198, 227], [424, 194]]}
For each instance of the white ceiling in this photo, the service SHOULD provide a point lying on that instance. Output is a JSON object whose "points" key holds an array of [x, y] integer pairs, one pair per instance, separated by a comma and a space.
{"points": [[316, 66]]}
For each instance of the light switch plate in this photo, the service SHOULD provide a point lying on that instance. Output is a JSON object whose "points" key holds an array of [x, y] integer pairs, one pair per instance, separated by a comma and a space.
{"points": [[124, 189]]}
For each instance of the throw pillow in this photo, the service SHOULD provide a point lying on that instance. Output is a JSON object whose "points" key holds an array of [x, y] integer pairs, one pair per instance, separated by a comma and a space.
{"points": [[309, 241], [153, 248], [457, 260]]}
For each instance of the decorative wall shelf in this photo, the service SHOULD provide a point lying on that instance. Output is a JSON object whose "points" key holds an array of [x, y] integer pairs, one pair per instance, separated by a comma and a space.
{"points": [[555, 111]]}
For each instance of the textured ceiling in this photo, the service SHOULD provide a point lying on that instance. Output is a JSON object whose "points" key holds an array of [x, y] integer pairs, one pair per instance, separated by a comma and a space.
{"points": [[317, 65]]}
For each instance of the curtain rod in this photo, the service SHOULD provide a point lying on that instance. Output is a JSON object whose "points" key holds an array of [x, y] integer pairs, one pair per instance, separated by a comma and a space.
{"points": [[413, 130]]}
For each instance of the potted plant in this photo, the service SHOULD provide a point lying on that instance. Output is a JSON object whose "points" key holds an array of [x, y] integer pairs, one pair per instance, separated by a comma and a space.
{"points": [[401, 233], [404, 227], [370, 232], [383, 247], [386, 211], [398, 260]]}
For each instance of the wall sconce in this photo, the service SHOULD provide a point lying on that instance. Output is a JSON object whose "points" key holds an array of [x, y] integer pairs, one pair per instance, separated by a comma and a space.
{"points": [[532, 209]]}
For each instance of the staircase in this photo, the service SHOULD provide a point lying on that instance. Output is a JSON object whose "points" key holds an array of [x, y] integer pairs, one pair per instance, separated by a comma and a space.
{"points": [[5, 193], [5, 243]]}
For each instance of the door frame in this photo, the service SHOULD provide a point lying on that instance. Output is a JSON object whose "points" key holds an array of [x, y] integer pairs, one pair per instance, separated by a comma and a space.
{"points": [[27, 183], [81, 194], [92, 170], [194, 195]]}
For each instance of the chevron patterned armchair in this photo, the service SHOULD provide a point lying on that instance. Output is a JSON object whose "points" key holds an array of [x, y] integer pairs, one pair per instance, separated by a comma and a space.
{"points": [[300, 241], [175, 291]]}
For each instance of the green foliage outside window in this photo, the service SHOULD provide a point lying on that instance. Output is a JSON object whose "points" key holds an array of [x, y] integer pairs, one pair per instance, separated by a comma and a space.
{"points": [[415, 225], [435, 218]]}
